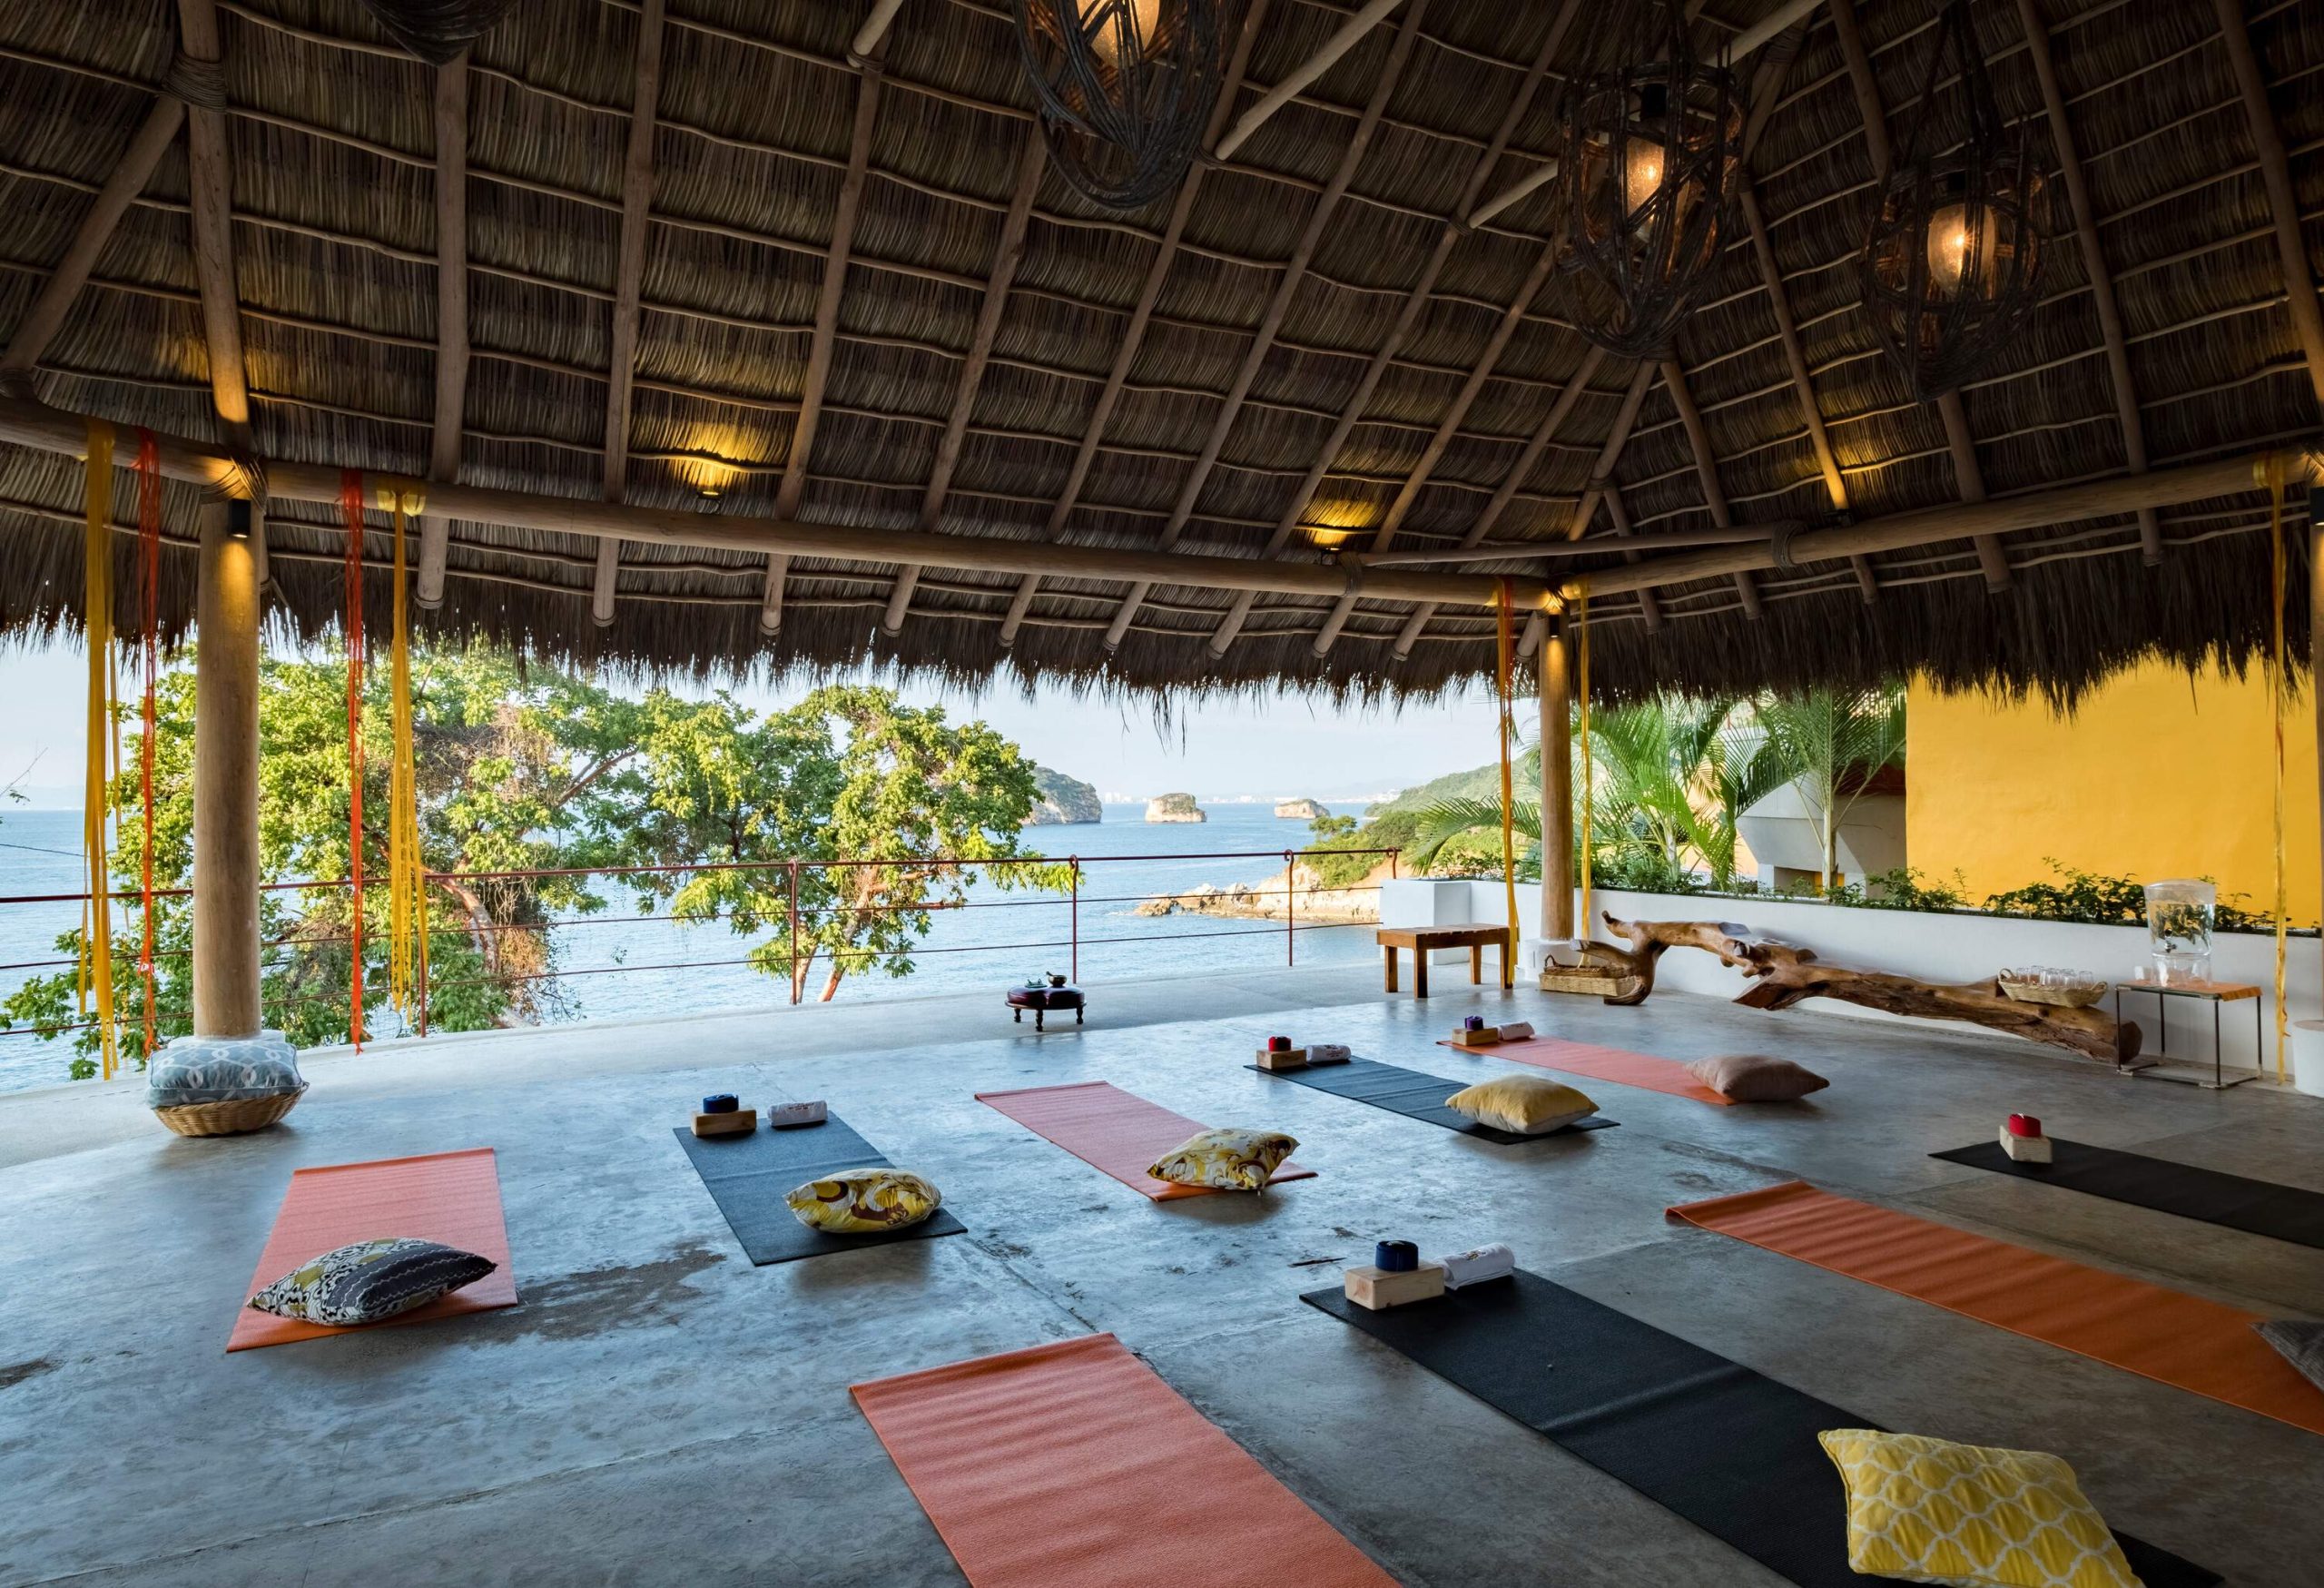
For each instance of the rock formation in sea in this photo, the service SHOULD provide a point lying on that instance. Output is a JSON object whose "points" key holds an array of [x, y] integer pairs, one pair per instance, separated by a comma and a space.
{"points": [[1299, 810], [1065, 802], [1174, 807]]}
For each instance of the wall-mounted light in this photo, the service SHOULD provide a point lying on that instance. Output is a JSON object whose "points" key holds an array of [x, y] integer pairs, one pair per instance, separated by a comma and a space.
{"points": [[239, 517]]}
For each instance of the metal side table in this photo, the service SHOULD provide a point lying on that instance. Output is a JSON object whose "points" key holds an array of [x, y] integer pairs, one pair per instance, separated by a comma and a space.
{"points": [[2217, 994]]}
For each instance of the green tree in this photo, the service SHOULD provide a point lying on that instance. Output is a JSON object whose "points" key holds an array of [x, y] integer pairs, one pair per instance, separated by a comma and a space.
{"points": [[1832, 744]]}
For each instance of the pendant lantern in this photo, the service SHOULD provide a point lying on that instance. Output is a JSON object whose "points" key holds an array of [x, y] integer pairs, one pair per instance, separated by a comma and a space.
{"points": [[1653, 146], [436, 30], [1954, 261], [1125, 88]]}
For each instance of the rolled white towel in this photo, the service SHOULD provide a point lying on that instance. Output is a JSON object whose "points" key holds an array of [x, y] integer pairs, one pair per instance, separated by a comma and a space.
{"points": [[1515, 1031], [1486, 1262], [1327, 1053]]}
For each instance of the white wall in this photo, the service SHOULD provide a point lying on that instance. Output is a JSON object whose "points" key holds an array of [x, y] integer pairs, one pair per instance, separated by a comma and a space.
{"points": [[1932, 947]]}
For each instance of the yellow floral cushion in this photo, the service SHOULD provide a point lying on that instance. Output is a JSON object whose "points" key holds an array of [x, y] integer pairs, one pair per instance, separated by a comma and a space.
{"points": [[1925, 1509], [864, 1201], [1225, 1160], [1529, 1105]]}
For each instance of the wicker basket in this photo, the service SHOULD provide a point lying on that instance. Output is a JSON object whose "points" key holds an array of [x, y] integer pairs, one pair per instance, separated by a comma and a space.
{"points": [[2064, 995], [228, 1118]]}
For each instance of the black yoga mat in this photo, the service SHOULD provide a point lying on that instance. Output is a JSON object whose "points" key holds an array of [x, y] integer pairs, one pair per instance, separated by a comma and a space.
{"points": [[1415, 1094], [749, 1175], [2259, 1206], [1730, 1450]]}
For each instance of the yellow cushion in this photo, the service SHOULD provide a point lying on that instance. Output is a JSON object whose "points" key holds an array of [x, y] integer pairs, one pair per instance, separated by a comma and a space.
{"points": [[1925, 1509], [864, 1201], [1226, 1160], [1529, 1105]]}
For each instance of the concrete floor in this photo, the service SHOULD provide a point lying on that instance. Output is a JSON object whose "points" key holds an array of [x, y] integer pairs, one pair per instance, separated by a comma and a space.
{"points": [[658, 1411]]}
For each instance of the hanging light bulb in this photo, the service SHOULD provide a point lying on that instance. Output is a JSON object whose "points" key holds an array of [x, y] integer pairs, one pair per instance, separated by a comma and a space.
{"points": [[1141, 19], [1948, 248], [1643, 161]]}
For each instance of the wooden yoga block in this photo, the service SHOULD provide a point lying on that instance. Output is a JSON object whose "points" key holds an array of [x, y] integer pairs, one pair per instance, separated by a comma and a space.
{"points": [[1377, 1289], [740, 1122], [1487, 1038], [2025, 1149], [1282, 1057]]}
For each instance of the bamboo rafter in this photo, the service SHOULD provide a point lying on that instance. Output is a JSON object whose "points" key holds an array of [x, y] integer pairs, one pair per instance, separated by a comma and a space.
{"points": [[629, 282]]}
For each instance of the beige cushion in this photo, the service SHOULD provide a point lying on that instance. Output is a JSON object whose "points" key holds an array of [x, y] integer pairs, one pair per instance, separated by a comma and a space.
{"points": [[1528, 1105], [1754, 1077]]}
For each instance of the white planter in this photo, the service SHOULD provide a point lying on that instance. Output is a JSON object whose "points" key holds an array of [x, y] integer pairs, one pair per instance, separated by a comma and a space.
{"points": [[2307, 1056]]}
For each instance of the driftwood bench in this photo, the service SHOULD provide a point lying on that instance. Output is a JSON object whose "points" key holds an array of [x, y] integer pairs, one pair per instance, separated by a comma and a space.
{"points": [[1472, 935], [1783, 974]]}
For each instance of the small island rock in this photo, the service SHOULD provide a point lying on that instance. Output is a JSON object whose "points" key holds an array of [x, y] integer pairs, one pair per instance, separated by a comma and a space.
{"points": [[1174, 807], [1299, 810]]}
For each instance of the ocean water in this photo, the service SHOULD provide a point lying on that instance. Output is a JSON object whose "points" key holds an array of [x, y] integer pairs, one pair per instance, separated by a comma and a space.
{"points": [[652, 965]]}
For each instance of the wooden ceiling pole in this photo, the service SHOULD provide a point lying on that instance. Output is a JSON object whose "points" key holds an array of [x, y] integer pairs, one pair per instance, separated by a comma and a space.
{"points": [[1649, 605], [42, 321], [1519, 472], [629, 282], [1408, 316], [2093, 262], [2283, 202], [1141, 314], [1602, 473], [826, 332], [451, 316], [1295, 271], [1349, 34], [1968, 476], [1010, 253], [864, 46], [1674, 380]]}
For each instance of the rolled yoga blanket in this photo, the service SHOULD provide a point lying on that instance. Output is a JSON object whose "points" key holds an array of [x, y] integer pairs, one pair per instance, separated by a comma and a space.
{"points": [[1469, 1267], [1327, 1053], [1515, 1031]]}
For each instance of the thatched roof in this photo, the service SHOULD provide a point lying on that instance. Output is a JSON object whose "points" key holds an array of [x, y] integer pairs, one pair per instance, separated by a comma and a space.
{"points": [[331, 132]]}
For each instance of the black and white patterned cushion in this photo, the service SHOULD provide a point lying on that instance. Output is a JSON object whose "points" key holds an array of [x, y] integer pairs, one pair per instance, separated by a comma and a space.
{"points": [[370, 1281], [2300, 1343]]}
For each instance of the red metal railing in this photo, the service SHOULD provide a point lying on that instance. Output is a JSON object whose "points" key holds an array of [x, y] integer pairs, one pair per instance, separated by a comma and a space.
{"points": [[801, 920]]}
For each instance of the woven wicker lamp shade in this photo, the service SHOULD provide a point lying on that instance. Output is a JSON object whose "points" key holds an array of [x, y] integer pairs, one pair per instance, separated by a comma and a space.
{"points": [[1124, 87]]}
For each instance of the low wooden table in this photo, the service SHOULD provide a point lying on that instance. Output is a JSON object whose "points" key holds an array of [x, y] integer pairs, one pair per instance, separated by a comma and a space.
{"points": [[2215, 993], [1472, 935]]}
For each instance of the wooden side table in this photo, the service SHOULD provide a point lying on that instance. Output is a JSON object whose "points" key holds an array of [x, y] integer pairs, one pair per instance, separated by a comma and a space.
{"points": [[1472, 935], [2215, 993]]}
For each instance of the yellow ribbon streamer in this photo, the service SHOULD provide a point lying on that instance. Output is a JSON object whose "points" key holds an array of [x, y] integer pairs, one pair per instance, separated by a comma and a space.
{"points": [[1589, 767], [2271, 475], [1505, 658], [96, 616], [406, 872]]}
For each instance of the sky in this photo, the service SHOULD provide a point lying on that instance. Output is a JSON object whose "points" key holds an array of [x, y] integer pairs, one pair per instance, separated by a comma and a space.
{"points": [[1266, 748]]}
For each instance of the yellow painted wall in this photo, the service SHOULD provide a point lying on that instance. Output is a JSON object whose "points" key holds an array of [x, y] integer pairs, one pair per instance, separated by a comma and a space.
{"points": [[2154, 775]]}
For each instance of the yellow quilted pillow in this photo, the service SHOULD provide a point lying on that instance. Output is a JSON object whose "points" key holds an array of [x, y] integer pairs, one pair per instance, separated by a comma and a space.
{"points": [[1529, 1105], [1226, 1160], [864, 1201], [1925, 1509]]}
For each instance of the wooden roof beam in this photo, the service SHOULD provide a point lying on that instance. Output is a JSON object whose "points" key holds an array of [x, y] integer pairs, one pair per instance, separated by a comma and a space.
{"points": [[2170, 487], [452, 346], [212, 177], [1294, 270], [2094, 261], [42, 321], [1407, 316], [209, 464], [1602, 473], [1968, 476], [1008, 254], [1519, 472], [865, 46], [844, 215], [2283, 202], [1649, 605], [629, 283], [1141, 314], [1674, 380], [1349, 34]]}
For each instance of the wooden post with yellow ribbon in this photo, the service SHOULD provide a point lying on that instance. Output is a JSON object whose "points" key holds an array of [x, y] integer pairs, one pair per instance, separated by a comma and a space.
{"points": [[95, 971], [407, 868], [1505, 656]]}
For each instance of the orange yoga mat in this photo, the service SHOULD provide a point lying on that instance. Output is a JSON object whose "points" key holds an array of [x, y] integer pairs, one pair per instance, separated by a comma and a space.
{"points": [[1074, 1465], [451, 1197], [2167, 1336], [1618, 1065], [1115, 1131]]}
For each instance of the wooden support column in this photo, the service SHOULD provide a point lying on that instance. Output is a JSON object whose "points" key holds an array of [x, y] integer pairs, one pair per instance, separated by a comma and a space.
{"points": [[225, 782], [451, 317], [46, 316], [2283, 202], [1556, 782]]}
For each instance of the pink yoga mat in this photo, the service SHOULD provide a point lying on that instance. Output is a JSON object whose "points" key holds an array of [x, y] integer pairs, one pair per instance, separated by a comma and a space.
{"points": [[448, 1196], [1073, 1466], [1112, 1129], [1615, 1064]]}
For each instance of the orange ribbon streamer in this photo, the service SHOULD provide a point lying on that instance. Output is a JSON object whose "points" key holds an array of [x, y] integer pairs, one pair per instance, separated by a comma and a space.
{"points": [[351, 499]]}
